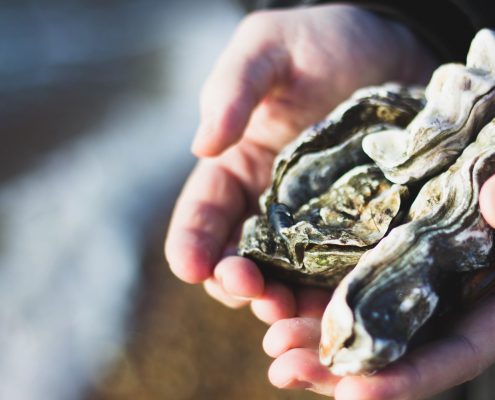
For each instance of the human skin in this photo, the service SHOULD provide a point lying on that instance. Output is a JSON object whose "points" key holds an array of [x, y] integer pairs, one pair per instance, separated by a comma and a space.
{"points": [[464, 350], [461, 354], [282, 71]]}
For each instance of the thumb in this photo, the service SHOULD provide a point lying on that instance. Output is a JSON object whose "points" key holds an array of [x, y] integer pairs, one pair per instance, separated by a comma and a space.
{"points": [[250, 66]]}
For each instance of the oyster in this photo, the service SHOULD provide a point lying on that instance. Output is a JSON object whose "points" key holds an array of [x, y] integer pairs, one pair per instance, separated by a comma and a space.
{"points": [[335, 217], [460, 101], [326, 206], [394, 289]]}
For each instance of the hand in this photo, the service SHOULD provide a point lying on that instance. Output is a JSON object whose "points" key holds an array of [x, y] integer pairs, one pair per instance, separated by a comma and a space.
{"points": [[461, 355], [456, 358], [282, 71]]}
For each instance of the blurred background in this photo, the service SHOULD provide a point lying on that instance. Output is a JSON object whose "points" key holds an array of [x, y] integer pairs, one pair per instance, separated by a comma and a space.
{"points": [[98, 106]]}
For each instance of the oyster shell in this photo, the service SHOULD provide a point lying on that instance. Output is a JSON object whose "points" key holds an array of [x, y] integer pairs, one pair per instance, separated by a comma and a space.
{"points": [[394, 289], [333, 217], [321, 213], [460, 101], [322, 153]]}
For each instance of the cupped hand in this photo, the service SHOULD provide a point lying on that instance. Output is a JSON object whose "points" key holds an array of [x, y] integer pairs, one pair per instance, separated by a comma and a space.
{"points": [[457, 357], [282, 71], [462, 354]]}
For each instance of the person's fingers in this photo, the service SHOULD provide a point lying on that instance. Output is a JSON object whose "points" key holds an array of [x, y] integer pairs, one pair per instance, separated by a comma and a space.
{"points": [[291, 333], [487, 201], [433, 368], [211, 204], [215, 290], [277, 302], [427, 372], [251, 65], [240, 277], [311, 302], [301, 369]]}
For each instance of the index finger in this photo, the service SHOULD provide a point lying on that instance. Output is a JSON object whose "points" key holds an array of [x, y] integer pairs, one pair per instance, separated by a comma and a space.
{"points": [[249, 68]]}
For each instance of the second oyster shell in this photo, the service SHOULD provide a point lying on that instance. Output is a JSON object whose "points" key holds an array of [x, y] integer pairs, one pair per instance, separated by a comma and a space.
{"points": [[460, 101], [326, 206], [394, 288]]}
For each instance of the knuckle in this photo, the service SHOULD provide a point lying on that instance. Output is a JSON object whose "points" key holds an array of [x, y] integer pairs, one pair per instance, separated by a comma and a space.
{"points": [[203, 216]]}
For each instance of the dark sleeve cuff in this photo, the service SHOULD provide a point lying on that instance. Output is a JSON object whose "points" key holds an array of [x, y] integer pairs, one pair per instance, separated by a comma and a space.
{"points": [[445, 26]]}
